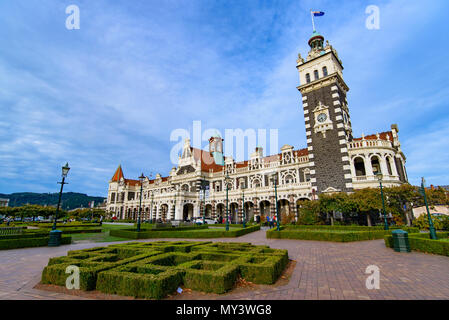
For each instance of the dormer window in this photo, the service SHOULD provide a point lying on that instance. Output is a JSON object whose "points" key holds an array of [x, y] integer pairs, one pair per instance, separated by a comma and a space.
{"points": [[308, 78], [324, 71], [316, 74]]}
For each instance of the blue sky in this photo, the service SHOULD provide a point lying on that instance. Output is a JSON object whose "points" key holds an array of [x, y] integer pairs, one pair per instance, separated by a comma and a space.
{"points": [[113, 91]]}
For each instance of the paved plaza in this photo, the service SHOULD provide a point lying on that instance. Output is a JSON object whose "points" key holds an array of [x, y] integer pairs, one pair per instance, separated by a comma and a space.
{"points": [[323, 271]]}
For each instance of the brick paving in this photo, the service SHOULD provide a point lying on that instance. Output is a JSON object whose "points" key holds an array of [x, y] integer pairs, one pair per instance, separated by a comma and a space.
{"points": [[323, 271]]}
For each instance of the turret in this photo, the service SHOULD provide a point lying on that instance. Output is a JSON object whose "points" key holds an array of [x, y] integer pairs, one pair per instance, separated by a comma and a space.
{"points": [[216, 149]]}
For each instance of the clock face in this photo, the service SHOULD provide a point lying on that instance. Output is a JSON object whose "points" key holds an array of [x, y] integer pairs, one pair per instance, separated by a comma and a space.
{"points": [[322, 117]]}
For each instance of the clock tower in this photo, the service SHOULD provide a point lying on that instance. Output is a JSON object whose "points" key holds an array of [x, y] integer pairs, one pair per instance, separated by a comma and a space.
{"points": [[326, 116]]}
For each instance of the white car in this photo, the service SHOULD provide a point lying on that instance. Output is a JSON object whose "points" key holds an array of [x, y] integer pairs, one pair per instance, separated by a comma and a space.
{"points": [[199, 220]]}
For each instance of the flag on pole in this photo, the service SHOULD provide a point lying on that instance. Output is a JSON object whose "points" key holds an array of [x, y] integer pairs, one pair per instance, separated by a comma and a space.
{"points": [[315, 14]]}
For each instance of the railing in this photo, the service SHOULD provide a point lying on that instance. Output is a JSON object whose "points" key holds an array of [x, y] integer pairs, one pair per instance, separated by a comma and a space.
{"points": [[369, 144], [374, 178], [280, 188]]}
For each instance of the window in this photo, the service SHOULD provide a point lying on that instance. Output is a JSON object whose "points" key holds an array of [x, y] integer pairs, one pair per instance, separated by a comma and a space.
{"points": [[289, 179], [316, 74], [324, 71], [308, 78]]}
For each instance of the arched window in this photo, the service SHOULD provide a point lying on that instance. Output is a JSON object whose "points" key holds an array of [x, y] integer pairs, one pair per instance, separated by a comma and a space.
{"points": [[289, 179], [387, 160], [256, 183], [308, 78], [324, 71], [359, 166], [316, 74], [375, 164]]}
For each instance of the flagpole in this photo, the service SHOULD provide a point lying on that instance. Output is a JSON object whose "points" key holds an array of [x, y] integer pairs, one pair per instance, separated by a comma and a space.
{"points": [[313, 22]]}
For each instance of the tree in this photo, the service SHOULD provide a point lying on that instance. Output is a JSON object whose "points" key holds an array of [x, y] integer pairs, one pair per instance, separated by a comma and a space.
{"points": [[366, 201], [309, 211]]}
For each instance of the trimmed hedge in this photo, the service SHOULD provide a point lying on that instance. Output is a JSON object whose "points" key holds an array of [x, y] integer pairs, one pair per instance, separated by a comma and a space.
{"points": [[330, 233], [351, 228], [421, 242], [77, 230], [187, 232], [90, 265], [28, 242], [66, 226], [153, 270]]}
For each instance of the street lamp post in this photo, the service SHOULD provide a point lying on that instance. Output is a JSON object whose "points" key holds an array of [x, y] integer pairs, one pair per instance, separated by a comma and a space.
{"points": [[433, 234], [55, 235], [227, 181], [142, 179], [379, 177], [65, 171], [275, 181]]}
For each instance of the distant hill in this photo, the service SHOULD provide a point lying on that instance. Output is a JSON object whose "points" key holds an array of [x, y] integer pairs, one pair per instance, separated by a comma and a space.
{"points": [[69, 200]]}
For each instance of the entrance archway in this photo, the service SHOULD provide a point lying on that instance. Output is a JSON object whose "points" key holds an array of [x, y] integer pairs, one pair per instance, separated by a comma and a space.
{"points": [[249, 211], [233, 212], [264, 209], [208, 212], [164, 212], [187, 212], [284, 207]]}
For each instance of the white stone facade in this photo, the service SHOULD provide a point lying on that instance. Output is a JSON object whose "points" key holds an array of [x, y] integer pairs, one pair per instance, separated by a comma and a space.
{"points": [[177, 197]]}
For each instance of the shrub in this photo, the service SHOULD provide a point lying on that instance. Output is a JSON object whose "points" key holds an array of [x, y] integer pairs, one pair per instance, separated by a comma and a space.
{"points": [[184, 232], [29, 241], [422, 222], [90, 265], [351, 228], [329, 233], [264, 270], [422, 242], [153, 270]]}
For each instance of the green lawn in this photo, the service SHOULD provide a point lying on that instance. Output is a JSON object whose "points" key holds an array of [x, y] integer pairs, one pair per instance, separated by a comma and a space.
{"points": [[99, 237]]}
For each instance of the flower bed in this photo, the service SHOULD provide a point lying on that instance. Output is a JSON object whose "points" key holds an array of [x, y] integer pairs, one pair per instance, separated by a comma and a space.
{"points": [[153, 270]]}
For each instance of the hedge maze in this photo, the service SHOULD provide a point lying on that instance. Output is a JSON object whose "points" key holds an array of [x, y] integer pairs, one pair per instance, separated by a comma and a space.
{"points": [[154, 270]]}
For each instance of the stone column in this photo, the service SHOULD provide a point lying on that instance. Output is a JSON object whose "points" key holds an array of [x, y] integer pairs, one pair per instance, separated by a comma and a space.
{"points": [[383, 166], [368, 166], [393, 167], [256, 206], [240, 211], [292, 205], [272, 206], [196, 209], [214, 210]]}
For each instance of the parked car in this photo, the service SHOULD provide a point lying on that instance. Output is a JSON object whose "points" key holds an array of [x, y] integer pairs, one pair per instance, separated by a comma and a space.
{"points": [[199, 220]]}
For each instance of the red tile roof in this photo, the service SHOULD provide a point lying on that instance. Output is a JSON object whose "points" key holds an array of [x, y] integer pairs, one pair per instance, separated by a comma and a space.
{"points": [[131, 182], [118, 174], [207, 160], [382, 136]]}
